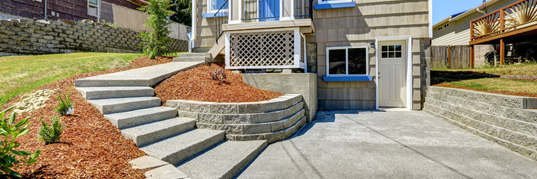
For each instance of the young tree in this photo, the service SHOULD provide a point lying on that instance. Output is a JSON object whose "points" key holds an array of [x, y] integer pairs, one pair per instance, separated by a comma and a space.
{"points": [[155, 42], [183, 12]]}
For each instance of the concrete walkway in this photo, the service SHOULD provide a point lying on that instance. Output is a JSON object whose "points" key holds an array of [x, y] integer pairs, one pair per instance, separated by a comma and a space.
{"points": [[348, 144]]}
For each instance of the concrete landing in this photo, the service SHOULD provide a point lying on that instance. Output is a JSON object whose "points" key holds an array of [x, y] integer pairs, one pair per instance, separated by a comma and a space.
{"points": [[411, 144], [146, 76]]}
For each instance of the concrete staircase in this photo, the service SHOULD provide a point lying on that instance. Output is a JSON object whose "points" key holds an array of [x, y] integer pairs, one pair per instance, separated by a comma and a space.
{"points": [[507, 120], [129, 104]]}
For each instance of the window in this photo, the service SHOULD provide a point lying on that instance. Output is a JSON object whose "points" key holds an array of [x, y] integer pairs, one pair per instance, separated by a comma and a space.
{"points": [[214, 5], [439, 28], [446, 26], [391, 51], [347, 61], [93, 7]]}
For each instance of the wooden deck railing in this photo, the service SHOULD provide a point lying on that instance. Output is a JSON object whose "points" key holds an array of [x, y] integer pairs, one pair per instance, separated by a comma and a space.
{"points": [[518, 15]]}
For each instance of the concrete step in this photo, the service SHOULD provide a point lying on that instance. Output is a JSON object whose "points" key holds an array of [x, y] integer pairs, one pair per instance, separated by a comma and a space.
{"points": [[515, 137], [155, 131], [224, 161], [208, 55], [486, 117], [191, 59], [114, 105], [178, 148], [141, 116], [115, 92], [146, 76], [437, 111]]}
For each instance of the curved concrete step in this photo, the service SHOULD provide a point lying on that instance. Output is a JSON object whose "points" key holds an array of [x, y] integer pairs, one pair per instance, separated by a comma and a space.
{"points": [[178, 148], [224, 161], [115, 92], [114, 105], [155, 131], [140, 116], [272, 136]]}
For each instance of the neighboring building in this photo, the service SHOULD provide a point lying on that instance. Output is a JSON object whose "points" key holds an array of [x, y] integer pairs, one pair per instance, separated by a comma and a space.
{"points": [[342, 41], [75, 10], [455, 29]]}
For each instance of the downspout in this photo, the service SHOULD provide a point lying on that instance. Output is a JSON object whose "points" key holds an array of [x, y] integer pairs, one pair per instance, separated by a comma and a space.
{"points": [[45, 7], [194, 28]]}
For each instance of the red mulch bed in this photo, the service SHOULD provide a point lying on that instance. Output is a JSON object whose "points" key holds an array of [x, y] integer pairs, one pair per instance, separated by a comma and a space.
{"points": [[497, 92], [91, 147], [196, 84]]}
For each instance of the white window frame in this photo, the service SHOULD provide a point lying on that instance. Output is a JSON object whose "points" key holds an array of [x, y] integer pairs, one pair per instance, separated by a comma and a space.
{"points": [[331, 2], [210, 7], [347, 60], [98, 6]]}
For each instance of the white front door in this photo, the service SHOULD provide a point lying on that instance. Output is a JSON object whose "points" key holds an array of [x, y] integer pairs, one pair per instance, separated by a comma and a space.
{"points": [[392, 74]]}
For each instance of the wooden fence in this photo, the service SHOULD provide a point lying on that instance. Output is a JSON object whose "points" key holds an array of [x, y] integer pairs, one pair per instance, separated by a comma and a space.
{"points": [[454, 57]]}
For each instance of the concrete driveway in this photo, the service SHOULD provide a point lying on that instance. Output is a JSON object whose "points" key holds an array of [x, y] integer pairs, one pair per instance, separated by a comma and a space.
{"points": [[409, 144]]}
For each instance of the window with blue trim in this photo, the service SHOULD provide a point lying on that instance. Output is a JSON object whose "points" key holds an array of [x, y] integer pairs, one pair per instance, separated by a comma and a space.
{"points": [[217, 4], [347, 61], [333, 1]]}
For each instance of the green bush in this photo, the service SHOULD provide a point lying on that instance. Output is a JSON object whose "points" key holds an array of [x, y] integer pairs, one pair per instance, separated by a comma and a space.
{"points": [[7, 153], [51, 134], [64, 105], [155, 42]]}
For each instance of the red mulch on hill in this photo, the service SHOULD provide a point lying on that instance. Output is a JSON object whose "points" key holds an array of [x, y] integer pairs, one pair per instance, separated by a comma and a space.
{"points": [[91, 147], [196, 84]]}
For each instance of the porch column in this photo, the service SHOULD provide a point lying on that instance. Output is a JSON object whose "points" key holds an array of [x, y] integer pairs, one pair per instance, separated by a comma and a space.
{"points": [[471, 56], [502, 52]]}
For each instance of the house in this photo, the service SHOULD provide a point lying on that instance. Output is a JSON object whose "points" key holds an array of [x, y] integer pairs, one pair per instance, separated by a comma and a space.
{"points": [[457, 29], [365, 54], [75, 10]]}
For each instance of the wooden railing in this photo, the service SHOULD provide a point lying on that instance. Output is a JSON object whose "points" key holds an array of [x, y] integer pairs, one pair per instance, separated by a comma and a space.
{"points": [[515, 16]]}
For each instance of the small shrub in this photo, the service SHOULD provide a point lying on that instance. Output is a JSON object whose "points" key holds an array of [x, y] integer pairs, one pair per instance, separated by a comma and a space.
{"points": [[156, 42], [10, 132], [65, 105], [51, 134]]}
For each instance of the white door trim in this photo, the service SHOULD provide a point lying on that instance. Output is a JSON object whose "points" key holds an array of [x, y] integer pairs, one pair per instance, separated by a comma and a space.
{"points": [[408, 40]]}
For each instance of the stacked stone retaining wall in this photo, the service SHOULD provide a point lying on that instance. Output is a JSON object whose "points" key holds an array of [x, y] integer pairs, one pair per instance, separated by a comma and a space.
{"points": [[271, 120], [30, 37], [510, 121]]}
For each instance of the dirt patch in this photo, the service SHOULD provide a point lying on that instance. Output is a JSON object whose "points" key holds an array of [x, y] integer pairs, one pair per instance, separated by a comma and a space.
{"points": [[91, 147], [497, 92], [196, 84]]}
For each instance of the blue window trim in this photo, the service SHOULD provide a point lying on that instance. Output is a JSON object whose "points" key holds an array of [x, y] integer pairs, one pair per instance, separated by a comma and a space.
{"points": [[334, 5], [211, 15], [347, 78]]}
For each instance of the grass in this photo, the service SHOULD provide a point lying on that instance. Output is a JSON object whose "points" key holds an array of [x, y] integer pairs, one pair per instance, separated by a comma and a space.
{"points": [[522, 69], [21, 74], [498, 85]]}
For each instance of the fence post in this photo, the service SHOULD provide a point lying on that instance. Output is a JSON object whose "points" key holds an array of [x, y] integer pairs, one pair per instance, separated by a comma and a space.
{"points": [[449, 56], [502, 52], [471, 57]]}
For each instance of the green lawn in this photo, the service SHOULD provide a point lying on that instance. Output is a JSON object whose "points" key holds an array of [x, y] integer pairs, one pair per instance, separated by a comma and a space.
{"points": [[485, 83], [522, 69], [21, 74]]}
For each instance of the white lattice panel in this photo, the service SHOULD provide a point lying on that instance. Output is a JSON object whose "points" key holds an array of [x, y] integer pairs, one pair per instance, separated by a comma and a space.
{"points": [[262, 49]]}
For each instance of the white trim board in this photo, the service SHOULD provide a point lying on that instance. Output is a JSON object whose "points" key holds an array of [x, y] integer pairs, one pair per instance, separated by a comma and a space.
{"points": [[408, 40]]}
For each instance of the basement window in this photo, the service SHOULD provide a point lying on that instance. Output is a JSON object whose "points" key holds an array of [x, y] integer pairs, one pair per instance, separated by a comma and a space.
{"points": [[347, 61]]}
